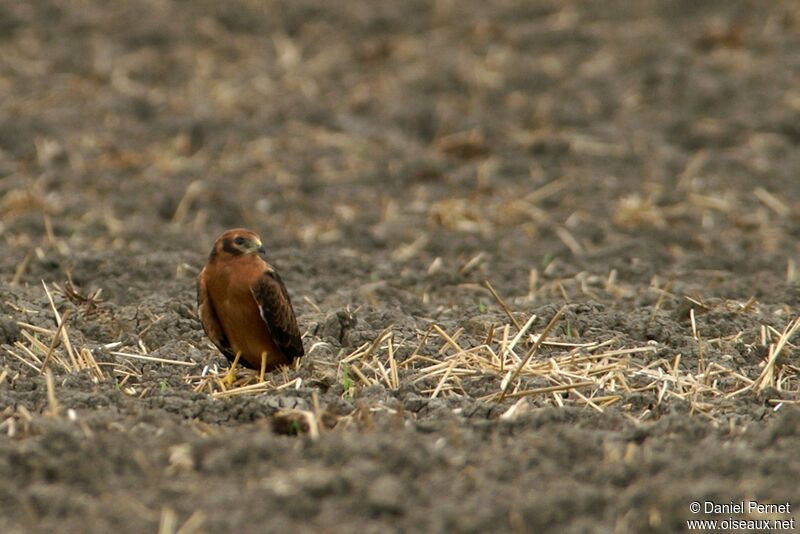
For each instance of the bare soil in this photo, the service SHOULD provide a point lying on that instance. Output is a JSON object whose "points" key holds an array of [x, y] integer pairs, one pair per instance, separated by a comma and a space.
{"points": [[627, 168]]}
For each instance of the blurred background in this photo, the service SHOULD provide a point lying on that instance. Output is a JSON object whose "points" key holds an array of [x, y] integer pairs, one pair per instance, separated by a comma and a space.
{"points": [[565, 128]]}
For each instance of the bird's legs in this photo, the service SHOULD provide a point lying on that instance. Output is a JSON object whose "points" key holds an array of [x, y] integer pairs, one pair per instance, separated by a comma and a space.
{"points": [[263, 367], [229, 378]]}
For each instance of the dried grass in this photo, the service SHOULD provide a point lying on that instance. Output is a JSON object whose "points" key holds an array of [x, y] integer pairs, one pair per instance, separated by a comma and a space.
{"points": [[596, 374]]}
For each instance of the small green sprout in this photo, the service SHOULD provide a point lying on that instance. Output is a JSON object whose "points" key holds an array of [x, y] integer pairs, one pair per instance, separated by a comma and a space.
{"points": [[347, 382]]}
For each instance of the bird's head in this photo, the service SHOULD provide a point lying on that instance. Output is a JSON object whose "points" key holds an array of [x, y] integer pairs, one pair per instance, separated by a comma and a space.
{"points": [[238, 242]]}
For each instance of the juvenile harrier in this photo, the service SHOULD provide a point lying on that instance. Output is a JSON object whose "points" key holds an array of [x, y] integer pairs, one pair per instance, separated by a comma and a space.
{"points": [[244, 306]]}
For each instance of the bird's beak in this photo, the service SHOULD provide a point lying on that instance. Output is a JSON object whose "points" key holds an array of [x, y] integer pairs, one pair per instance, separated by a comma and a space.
{"points": [[254, 247], [261, 250]]}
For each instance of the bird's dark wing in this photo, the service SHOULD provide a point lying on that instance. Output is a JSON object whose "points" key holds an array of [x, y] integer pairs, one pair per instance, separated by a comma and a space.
{"points": [[276, 311], [208, 316]]}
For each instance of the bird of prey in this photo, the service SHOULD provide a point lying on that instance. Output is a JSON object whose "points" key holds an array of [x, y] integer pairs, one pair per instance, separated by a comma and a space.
{"points": [[244, 306]]}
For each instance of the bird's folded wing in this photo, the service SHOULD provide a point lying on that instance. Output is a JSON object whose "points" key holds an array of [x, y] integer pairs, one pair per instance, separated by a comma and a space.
{"points": [[276, 311]]}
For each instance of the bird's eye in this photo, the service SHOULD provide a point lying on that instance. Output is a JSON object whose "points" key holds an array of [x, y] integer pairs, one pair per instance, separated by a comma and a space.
{"points": [[239, 241]]}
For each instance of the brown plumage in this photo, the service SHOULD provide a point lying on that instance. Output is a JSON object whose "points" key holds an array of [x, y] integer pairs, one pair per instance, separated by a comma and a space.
{"points": [[244, 306]]}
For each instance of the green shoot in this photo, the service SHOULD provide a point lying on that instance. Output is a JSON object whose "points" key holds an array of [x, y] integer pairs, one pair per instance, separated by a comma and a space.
{"points": [[347, 382]]}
